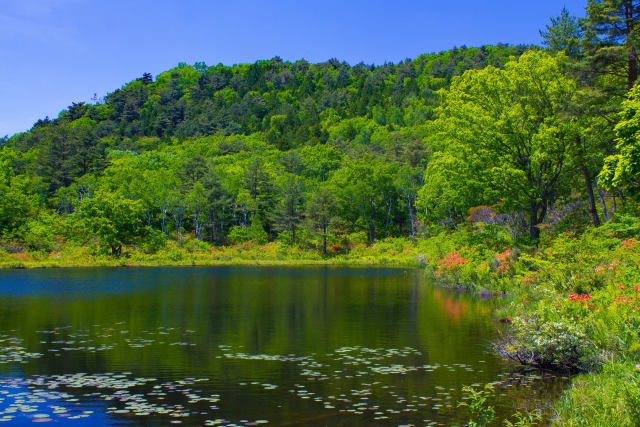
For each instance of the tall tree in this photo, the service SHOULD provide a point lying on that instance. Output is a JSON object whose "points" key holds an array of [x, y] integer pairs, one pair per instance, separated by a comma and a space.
{"points": [[563, 34], [613, 37], [288, 212], [509, 127], [115, 220], [367, 193], [321, 212], [622, 170]]}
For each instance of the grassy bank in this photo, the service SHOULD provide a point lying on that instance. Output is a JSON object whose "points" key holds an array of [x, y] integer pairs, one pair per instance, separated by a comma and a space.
{"points": [[389, 252], [573, 306]]}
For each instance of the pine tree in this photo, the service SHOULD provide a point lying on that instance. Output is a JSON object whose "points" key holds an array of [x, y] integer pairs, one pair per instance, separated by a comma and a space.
{"points": [[612, 36], [288, 213], [563, 34]]}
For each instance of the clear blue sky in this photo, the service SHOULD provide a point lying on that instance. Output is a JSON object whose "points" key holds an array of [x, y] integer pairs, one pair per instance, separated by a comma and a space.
{"points": [[54, 52]]}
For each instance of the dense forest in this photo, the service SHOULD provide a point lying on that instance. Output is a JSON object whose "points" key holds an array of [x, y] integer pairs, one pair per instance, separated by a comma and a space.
{"points": [[509, 168], [241, 152]]}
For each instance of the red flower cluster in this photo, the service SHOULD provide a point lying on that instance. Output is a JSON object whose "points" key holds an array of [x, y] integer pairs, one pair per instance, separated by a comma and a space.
{"points": [[629, 244], [622, 299], [450, 261], [530, 278], [578, 297], [502, 257]]}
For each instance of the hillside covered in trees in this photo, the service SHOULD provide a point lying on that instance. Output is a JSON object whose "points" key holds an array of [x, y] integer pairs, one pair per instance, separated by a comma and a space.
{"points": [[211, 151]]}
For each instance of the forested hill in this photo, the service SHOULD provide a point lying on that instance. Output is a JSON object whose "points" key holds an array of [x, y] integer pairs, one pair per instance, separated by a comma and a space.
{"points": [[292, 103], [235, 134], [314, 154]]}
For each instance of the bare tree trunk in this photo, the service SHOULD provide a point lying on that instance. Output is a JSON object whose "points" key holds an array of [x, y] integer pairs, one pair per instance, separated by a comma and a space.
{"points": [[372, 233], [293, 233], [324, 237], [605, 212], [453, 224], [388, 221], [411, 218], [592, 200], [534, 230]]}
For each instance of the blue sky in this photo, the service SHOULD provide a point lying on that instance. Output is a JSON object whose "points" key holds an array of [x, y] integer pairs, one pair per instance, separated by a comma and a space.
{"points": [[54, 52]]}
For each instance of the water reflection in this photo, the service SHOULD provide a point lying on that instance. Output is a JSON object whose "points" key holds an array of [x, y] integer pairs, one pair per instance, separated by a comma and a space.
{"points": [[249, 345]]}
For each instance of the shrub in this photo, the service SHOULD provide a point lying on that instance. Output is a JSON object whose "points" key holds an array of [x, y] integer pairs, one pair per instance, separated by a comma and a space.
{"points": [[255, 233]]}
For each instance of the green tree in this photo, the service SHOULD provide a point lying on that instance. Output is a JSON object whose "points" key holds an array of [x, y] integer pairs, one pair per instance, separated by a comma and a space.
{"points": [[509, 127], [622, 170], [287, 214], [115, 220], [563, 34], [198, 205], [367, 193], [258, 182], [612, 35], [321, 213], [17, 205]]}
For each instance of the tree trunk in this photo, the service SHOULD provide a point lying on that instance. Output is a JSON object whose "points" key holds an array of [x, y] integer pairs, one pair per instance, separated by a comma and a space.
{"points": [[632, 74], [633, 69], [164, 228], [324, 238], [605, 211], [534, 230], [453, 223], [222, 222], [592, 199], [388, 221], [411, 218]]}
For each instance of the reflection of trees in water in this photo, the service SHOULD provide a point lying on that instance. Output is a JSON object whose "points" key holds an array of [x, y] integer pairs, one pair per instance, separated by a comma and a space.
{"points": [[174, 323]]}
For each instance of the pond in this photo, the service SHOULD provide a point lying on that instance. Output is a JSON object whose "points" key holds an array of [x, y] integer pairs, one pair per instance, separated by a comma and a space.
{"points": [[248, 346]]}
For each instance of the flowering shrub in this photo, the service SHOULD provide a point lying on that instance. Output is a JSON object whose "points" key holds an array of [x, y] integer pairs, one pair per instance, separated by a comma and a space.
{"points": [[450, 262], [629, 244], [546, 344], [530, 278], [575, 299]]}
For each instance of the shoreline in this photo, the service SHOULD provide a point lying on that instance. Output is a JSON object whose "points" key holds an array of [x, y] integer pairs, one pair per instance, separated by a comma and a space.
{"points": [[213, 263]]}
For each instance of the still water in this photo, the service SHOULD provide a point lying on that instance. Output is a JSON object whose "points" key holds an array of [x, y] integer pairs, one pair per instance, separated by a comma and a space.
{"points": [[247, 346]]}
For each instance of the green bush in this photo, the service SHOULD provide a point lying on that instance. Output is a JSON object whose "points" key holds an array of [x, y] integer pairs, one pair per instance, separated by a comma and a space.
{"points": [[254, 233], [153, 242]]}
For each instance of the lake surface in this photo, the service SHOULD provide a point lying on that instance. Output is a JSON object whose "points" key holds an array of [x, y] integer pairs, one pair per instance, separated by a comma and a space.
{"points": [[247, 346]]}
